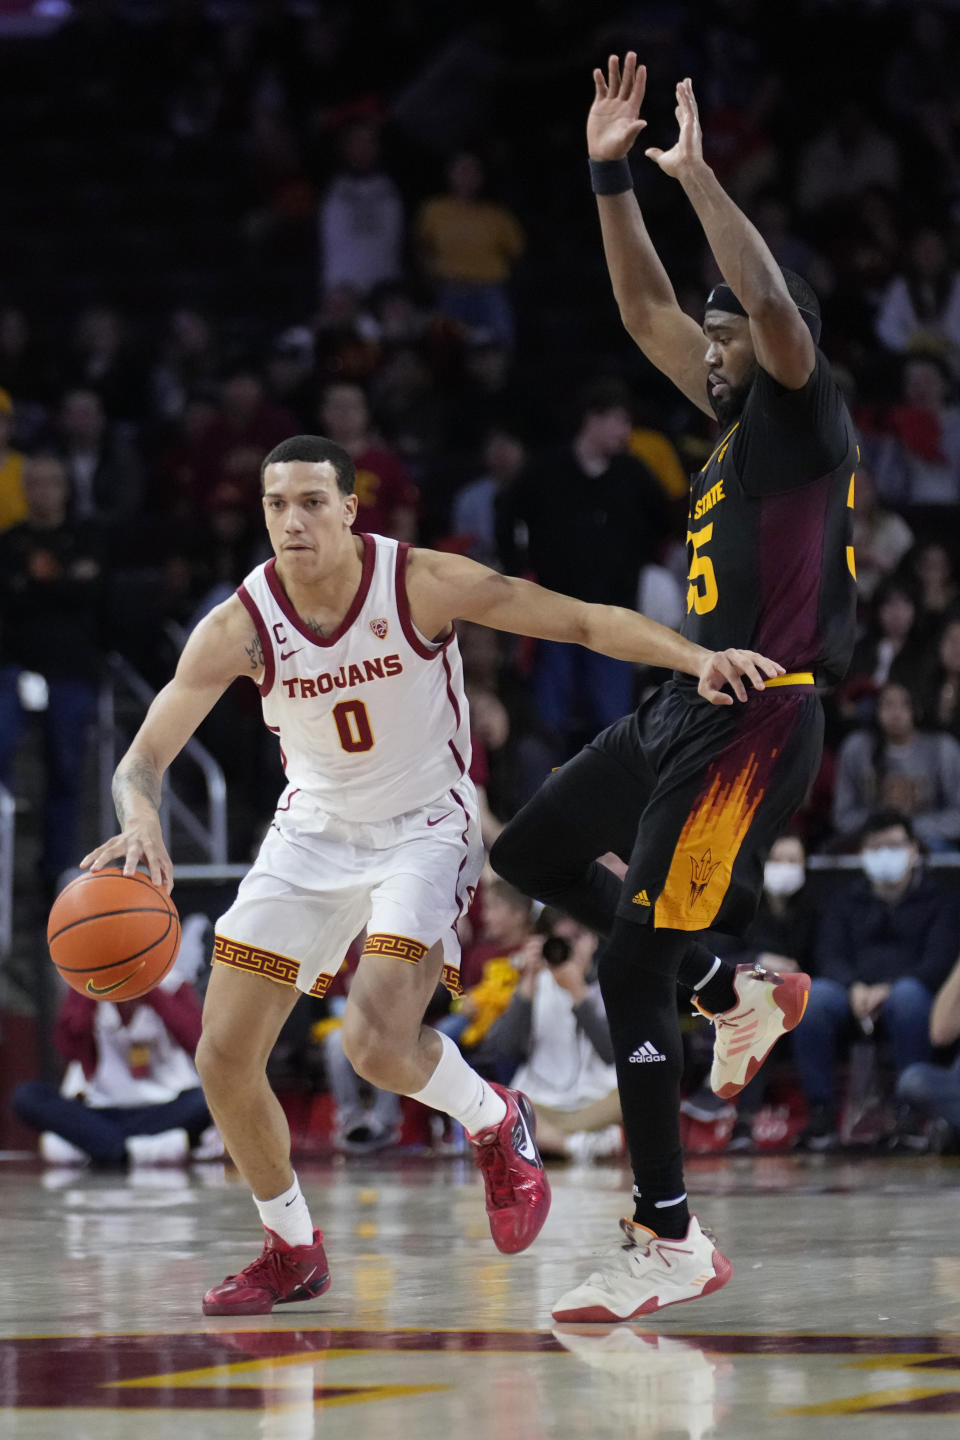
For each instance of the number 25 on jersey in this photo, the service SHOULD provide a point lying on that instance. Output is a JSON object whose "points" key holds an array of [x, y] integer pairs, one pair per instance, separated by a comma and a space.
{"points": [[702, 592]]}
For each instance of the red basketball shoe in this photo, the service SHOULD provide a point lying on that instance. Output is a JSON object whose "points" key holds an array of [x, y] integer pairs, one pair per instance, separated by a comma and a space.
{"points": [[518, 1192], [281, 1274]]}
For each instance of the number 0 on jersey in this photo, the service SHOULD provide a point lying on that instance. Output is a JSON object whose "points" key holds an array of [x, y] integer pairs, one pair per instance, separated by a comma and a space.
{"points": [[353, 726]]}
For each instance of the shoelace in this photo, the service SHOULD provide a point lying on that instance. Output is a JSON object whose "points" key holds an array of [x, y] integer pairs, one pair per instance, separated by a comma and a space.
{"points": [[492, 1162], [266, 1270], [718, 1020], [616, 1260], [630, 1241], [757, 973]]}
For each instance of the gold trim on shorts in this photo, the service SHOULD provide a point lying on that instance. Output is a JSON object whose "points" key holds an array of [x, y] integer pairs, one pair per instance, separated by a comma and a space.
{"points": [[401, 947], [264, 962], [793, 677], [451, 979], [396, 947]]}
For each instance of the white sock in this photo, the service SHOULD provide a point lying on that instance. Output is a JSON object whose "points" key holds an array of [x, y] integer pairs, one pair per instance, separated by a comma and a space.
{"points": [[459, 1091], [709, 975], [287, 1215]]}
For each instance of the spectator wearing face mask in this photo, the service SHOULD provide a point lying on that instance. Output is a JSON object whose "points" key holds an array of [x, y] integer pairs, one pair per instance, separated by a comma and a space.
{"points": [[781, 938], [886, 944]]}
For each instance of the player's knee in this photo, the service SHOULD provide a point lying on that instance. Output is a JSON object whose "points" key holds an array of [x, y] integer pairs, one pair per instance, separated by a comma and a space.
{"points": [[208, 1061], [221, 1067], [29, 1101], [512, 856], [913, 1086], [532, 858], [373, 1049]]}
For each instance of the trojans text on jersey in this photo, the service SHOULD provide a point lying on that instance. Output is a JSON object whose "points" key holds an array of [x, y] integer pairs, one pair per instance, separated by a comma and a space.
{"points": [[343, 679]]}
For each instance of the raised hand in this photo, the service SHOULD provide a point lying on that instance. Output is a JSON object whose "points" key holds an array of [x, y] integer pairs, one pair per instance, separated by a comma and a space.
{"points": [[613, 123], [689, 147]]}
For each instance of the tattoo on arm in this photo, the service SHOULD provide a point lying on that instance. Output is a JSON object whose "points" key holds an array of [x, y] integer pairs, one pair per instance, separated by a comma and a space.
{"points": [[135, 776], [255, 652]]}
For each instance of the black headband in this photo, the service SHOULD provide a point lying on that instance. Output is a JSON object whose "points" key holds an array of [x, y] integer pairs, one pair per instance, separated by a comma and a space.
{"points": [[721, 297]]}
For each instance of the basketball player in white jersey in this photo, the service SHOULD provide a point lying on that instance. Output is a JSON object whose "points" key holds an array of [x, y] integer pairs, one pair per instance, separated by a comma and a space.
{"points": [[350, 640]]}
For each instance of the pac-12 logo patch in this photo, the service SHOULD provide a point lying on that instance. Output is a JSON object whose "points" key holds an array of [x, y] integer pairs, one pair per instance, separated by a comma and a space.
{"points": [[380, 627]]}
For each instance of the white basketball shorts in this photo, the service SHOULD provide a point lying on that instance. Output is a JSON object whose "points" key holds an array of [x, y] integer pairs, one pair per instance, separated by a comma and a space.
{"points": [[319, 881]]}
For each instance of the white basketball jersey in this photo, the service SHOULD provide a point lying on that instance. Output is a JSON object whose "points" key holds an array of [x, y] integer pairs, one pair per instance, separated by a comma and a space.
{"points": [[372, 721]]}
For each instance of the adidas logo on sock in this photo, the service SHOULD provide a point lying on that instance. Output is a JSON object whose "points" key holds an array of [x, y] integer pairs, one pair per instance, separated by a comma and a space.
{"points": [[646, 1054]]}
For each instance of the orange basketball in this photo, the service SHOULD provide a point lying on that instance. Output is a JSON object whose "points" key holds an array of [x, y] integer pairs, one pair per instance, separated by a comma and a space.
{"points": [[113, 936]]}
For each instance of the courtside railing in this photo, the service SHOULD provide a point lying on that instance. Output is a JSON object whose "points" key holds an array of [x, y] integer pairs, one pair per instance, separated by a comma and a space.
{"points": [[209, 834]]}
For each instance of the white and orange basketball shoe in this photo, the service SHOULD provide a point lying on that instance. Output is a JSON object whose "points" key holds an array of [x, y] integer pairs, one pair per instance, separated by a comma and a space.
{"points": [[768, 1005], [645, 1274]]}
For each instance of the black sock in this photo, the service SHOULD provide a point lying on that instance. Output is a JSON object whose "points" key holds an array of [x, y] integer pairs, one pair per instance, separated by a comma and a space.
{"points": [[718, 993], [638, 978]]}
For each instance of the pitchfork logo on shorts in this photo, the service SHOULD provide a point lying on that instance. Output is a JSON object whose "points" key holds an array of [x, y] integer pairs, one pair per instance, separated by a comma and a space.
{"points": [[701, 873], [380, 626]]}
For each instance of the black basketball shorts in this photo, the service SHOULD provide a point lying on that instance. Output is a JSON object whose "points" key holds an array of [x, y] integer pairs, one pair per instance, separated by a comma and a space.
{"points": [[693, 795]]}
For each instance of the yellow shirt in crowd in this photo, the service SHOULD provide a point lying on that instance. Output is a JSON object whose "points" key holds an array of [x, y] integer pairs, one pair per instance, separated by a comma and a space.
{"points": [[13, 504], [490, 997], [472, 242], [658, 453]]}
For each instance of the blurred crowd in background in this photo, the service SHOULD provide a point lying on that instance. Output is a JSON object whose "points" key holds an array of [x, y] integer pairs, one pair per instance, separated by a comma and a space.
{"points": [[228, 223]]}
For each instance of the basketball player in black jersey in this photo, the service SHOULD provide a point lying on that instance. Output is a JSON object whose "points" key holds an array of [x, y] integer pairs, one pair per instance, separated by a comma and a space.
{"points": [[692, 797]]}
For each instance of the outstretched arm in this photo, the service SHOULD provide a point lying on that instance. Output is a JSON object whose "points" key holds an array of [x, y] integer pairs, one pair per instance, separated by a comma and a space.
{"points": [[668, 337], [783, 344], [443, 587], [222, 647]]}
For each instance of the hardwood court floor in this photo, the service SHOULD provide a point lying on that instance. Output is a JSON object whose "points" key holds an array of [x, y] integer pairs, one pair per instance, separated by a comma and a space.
{"points": [[842, 1319]]}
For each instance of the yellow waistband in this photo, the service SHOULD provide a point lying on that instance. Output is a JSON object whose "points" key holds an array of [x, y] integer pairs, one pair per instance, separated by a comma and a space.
{"points": [[793, 677]]}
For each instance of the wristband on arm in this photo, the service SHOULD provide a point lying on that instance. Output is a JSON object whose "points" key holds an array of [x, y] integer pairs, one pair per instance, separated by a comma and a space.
{"points": [[610, 177]]}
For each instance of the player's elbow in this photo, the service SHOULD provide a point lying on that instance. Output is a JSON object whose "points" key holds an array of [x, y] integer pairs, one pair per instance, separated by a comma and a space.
{"points": [[637, 322], [768, 302], [774, 314], [654, 308], [587, 627]]}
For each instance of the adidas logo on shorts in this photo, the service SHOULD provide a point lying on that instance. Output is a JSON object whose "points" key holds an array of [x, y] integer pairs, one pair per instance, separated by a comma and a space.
{"points": [[646, 1054]]}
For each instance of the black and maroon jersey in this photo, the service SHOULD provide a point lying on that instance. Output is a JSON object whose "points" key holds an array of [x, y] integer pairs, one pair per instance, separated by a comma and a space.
{"points": [[769, 538]]}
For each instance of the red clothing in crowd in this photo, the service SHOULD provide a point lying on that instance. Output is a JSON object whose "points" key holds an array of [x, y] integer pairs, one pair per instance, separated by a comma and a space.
{"points": [[383, 487], [74, 1033], [225, 451]]}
